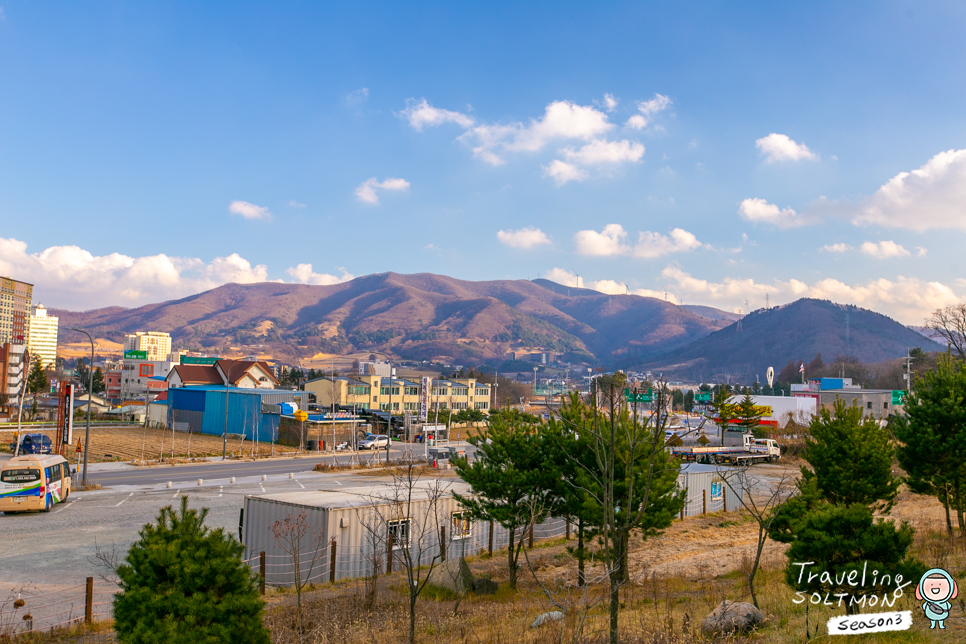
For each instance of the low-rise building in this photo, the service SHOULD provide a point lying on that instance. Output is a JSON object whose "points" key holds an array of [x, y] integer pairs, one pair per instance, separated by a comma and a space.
{"points": [[252, 374], [373, 393], [876, 403], [137, 376]]}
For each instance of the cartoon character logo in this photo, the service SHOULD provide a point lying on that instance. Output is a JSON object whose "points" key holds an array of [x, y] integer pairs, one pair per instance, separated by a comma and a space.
{"points": [[936, 588]]}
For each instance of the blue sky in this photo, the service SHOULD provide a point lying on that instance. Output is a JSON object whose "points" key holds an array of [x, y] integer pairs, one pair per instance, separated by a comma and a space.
{"points": [[720, 151]]}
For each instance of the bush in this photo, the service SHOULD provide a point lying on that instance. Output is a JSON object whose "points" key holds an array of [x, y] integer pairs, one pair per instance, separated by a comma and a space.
{"points": [[184, 583]]}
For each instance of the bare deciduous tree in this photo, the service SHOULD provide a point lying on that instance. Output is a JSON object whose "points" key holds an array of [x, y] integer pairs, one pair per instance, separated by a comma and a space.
{"points": [[403, 519], [950, 323], [762, 499], [295, 536]]}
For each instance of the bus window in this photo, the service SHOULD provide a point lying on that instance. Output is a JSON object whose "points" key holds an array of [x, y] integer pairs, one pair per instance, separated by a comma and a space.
{"points": [[54, 473], [20, 476], [66, 470]]}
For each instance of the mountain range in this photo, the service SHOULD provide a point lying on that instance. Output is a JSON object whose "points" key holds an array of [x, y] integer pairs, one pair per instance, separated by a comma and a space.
{"points": [[435, 317]]}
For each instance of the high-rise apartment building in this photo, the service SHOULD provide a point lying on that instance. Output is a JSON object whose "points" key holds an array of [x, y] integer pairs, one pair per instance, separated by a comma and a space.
{"points": [[15, 301], [42, 336], [155, 344]]}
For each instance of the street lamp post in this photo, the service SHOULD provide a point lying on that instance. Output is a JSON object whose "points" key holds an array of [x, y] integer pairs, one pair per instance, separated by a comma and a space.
{"points": [[224, 436], [90, 401], [389, 422]]}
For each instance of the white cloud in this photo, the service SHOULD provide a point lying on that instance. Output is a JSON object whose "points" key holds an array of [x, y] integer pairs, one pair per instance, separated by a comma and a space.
{"points": [[249, 210], [884, 250], [779, 147], [610, 287], [657, 104], [600, 151], [564, 277], [636, 122], [366, 191], [610, 242], [836, 248], [560, 120], [294, 204], [71, 277], [759, 210], [647, 109], [304, 274], [523, 238], [921, 251], [909, 300], [421, 113], [357, 97], [602, 244], [651, 245], [929, 197], [562, 172]]}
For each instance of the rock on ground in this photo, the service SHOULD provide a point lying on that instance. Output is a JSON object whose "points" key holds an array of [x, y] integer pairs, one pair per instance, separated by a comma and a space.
{"points": [[484, 586], [453, 575], [731, 617]]}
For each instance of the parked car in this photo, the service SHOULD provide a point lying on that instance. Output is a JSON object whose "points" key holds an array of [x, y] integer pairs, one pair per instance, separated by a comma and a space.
{"points": [[374, 441], [34, 444]]}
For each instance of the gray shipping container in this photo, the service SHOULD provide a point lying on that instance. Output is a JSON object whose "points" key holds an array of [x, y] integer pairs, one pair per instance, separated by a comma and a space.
{"points": [[707, 492]]}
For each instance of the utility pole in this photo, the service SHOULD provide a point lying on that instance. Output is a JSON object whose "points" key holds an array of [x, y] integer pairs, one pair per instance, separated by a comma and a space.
{"points": [[90, 388], [908, 375]]}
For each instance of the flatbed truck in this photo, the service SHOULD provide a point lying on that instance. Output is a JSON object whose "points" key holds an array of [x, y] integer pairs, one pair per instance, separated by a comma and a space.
{"points": [[752, 450]]}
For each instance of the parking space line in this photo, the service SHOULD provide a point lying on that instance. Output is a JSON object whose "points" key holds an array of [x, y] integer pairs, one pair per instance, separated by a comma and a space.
{"points": [[63, 507], [176, 494], [221, 489], [263, 487], [125, 499], [300, 485]]}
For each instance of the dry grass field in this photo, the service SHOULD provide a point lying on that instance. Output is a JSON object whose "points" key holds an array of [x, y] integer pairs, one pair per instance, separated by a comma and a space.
{"points": [[135, 443]]}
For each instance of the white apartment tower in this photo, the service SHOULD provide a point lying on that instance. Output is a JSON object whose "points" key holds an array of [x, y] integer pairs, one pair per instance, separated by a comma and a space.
{"points": [[42, 336], [155, 344]]}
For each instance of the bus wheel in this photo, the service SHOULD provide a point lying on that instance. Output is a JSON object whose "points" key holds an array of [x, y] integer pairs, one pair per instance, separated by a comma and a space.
{"points": [[47, 504]]}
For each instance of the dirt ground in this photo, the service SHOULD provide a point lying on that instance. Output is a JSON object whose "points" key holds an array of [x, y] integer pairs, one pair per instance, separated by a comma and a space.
{"points": [[136, 443]]}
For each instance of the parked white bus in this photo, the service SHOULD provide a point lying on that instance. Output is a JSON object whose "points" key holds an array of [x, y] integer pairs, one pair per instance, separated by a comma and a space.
{"points": [[34, 482]]}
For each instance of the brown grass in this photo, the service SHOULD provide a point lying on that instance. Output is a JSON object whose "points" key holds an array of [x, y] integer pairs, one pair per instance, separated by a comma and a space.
{"points": [[137, 443]]}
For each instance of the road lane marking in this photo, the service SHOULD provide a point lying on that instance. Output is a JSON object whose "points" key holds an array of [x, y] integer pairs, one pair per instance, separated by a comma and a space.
{"points": [[300, 485], [262, 486], [125, 499], [339, 482], [176, 494], [63, 507], [221, 489]]}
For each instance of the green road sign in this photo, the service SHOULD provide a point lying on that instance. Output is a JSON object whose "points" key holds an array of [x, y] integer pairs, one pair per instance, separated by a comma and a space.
{"points": [[136, 355], [639, 396], [898, 396], [190, 360], [702, 397]]}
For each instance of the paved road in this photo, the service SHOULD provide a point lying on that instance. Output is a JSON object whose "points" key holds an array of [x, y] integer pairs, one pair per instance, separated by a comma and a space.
{"points": [[225, 470]]}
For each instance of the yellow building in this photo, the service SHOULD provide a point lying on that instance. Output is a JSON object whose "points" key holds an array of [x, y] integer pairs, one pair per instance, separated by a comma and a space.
{"points": [[372, 393], [42, 336], [155, 344]]}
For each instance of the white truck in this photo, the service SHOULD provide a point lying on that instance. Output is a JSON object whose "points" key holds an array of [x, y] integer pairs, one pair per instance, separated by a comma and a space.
{"points": [[752, 450]]}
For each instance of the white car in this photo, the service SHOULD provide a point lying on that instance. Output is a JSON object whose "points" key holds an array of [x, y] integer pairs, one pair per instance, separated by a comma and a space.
{"points": [[374, 442]]}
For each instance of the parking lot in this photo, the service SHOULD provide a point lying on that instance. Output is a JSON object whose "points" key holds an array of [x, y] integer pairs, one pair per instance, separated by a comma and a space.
{"points": [[55, 550]]}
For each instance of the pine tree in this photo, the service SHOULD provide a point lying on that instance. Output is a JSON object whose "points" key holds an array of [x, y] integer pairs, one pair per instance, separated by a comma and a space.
{"points": [[183, 583], [37, 380], [747, 414], [831, 520], [98, 384], [932, 436], [506, 477], [851, 456]]}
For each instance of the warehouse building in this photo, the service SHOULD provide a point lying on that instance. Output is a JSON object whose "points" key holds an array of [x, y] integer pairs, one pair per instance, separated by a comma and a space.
{"points": [[256, 413]]}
